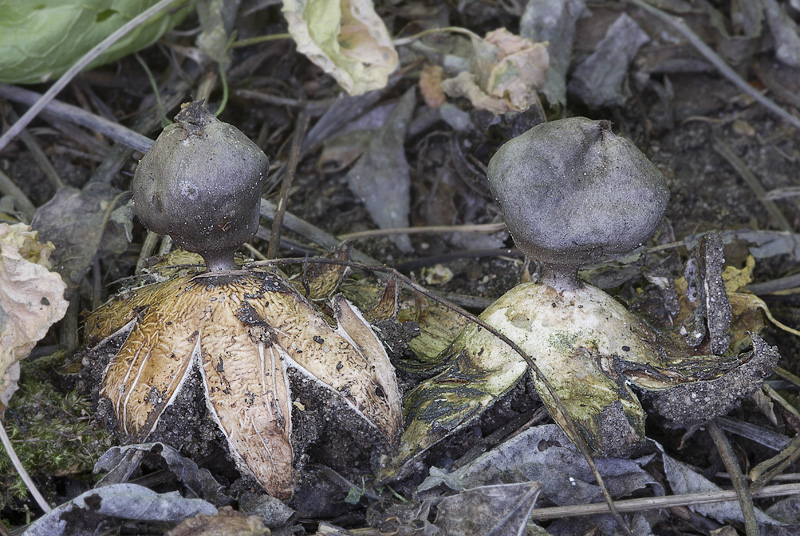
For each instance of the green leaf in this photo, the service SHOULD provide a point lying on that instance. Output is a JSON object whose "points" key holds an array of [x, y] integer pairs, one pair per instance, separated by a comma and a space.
{"points": [[40, 40]]}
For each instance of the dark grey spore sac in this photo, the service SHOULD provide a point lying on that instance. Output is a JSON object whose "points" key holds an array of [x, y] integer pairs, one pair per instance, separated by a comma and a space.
{"points": [[573, 191], [201, 184]]}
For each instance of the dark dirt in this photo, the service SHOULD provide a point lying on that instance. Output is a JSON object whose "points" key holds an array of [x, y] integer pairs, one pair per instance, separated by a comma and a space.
{"points": [[678, 119]]}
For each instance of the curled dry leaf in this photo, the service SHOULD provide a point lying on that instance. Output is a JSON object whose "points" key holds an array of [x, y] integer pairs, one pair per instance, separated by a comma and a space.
{"points": [[430, 85], [505, 73], [496, 509], [242, 330], [31, 300], [227, 521], [346, 38]]}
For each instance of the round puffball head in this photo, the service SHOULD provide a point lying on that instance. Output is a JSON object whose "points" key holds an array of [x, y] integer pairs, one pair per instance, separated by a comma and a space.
{"points": [[201, 184], [572, 191]]}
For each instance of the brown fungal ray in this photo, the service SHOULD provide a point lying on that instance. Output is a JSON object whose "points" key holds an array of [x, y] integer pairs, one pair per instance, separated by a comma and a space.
{"points": [[383, 382], [247, 392], [110, 317], [320, 280], [360, 373], [388, 304], [146, 374]]}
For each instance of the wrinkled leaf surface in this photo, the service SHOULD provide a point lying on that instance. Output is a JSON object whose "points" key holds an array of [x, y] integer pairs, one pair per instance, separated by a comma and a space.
{"points": [[40, 40], [31, 300], [125, 501], [345, 38]]}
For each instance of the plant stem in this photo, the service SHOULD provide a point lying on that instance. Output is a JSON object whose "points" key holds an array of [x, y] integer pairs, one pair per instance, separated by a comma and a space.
{"points": [[737, 477], [21, 470], [259, 39]]}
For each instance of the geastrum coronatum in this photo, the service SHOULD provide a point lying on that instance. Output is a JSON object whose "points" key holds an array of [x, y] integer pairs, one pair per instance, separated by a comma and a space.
{"points": [[241, 329], [572, 191]]}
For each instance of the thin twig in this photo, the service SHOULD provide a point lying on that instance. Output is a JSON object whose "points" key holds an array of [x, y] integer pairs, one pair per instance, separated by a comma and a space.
{"points": [[761, 474], [564, 417], [286, 184], [79, 116], [312, 232], [718, 62], [422, 262], [737, 478], [87, 58], [658, 503], [473, 228], [23, 474]]}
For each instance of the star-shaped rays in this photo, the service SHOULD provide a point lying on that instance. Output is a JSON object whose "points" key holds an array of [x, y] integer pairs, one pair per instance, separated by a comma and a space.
{"points": [[242, 330]]}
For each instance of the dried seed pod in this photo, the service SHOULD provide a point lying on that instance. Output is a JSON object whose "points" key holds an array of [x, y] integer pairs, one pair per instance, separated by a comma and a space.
{"points": [[201, 183], [573, 191]]}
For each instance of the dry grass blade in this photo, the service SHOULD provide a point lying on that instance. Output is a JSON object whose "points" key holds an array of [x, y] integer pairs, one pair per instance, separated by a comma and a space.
{"points": [[658, 503], [738, 478], [476, 228]]}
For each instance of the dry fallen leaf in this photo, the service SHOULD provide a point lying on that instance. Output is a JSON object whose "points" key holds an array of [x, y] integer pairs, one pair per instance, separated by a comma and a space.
{"points": [[31, 300], [346, 38], [505, 74], [430, 85], [82, 224], [381, 177], [227, 521]]}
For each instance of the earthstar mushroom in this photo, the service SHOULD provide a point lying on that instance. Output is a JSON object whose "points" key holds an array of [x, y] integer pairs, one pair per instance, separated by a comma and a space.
{"points": [[238, 330], [572, 192]]}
